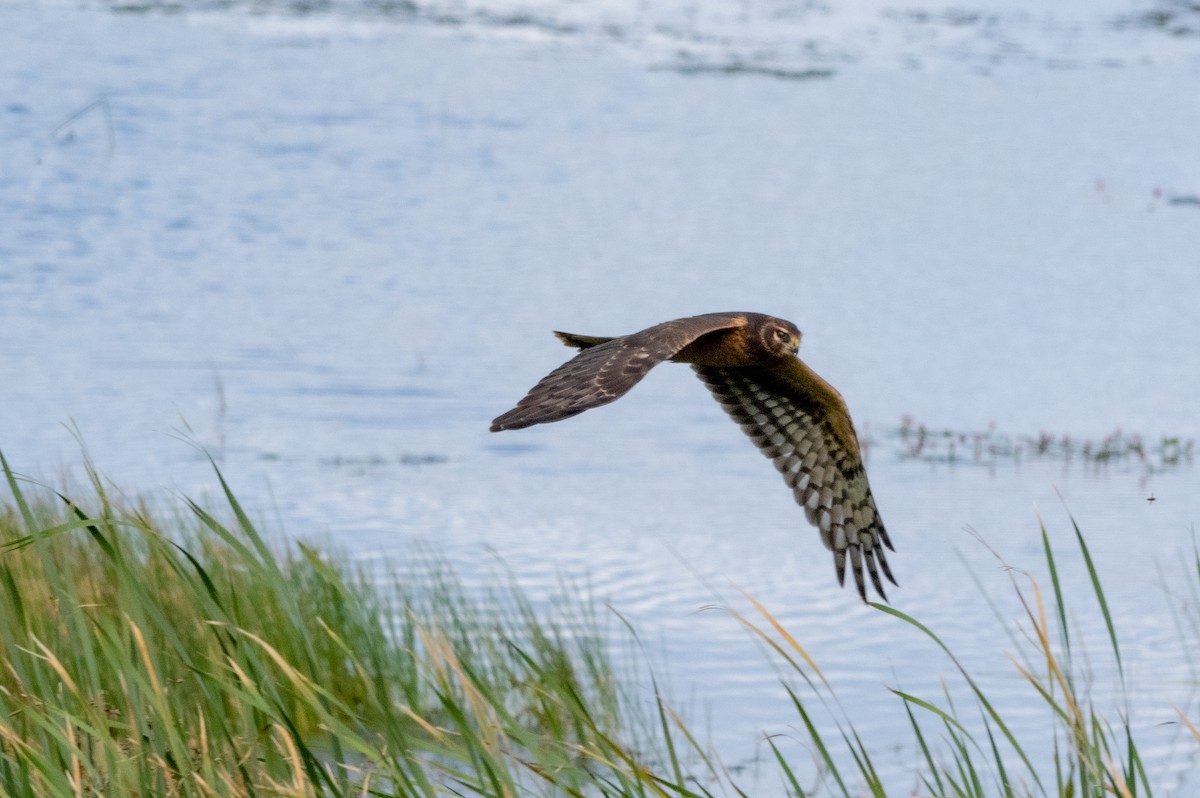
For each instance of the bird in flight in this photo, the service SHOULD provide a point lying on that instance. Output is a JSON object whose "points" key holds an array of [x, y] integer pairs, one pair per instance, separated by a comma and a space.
{"points": [[748, 361]]}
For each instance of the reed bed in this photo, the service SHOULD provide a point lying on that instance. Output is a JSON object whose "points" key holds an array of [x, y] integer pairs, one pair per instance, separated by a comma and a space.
{"points": [[991, 447], [181, 655]]}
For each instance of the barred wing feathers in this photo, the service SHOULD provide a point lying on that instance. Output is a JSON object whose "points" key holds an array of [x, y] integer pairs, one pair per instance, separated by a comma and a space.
{"points": [[801, 423]]}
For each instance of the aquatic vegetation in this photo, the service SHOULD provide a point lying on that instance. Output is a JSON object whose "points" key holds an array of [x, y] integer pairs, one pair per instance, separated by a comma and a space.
{"points": [[185, 656], [182, 654], [917, 441], [1092, 754]]}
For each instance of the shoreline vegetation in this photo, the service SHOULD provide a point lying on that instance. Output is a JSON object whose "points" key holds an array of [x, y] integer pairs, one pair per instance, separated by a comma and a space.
{"points": [[178, 654], [989, 447]]}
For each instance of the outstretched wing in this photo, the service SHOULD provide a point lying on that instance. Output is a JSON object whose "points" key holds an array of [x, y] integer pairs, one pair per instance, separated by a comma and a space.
{"points": [[604, 372], [801, 423]]}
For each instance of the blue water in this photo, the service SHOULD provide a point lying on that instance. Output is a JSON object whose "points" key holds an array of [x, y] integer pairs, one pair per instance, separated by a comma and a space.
{"points": [[331, 247]]}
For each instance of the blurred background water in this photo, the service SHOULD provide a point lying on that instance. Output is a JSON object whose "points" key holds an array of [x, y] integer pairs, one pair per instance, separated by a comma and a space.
{"points": [[328, 242]]}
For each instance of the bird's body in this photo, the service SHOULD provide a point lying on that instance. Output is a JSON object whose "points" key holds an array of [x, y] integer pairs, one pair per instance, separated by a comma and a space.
{"points": [[748, 361]]}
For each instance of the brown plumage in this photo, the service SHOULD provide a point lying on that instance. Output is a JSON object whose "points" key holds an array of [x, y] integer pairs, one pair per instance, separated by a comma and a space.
{"points": [[748, 361]]}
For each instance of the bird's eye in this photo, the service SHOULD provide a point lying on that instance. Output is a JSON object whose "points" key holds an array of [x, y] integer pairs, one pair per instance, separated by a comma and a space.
{"points": [[783, 335]]}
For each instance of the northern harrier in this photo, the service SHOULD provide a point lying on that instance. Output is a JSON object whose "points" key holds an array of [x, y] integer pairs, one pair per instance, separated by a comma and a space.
{"points": [[749, 362]]}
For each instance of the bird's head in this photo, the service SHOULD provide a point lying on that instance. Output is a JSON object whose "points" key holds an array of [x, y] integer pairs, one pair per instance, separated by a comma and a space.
{"points": [[778, 338]]}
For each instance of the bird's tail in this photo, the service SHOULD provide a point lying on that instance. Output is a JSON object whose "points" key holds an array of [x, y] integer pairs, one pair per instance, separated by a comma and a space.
{"points": [[580, 341]]}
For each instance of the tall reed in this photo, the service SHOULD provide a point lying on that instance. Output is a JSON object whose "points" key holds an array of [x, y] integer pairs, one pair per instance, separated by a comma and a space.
{"points": [[189, 658]]}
